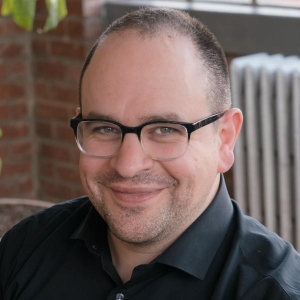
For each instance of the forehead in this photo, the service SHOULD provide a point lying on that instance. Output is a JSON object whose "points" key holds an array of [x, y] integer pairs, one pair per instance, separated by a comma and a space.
{"points": [[139, 75]]}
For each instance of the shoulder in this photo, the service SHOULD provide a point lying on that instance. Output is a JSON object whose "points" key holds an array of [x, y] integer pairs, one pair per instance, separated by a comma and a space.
{"points": [[269, 255], [59, 219], [51, 217], [28, 242]]}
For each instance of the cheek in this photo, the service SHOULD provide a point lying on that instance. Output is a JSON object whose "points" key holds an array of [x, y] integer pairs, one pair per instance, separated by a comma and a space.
{"points": [[198, 166], [205, 154], [202, 156], [91, 164], [184, 169], [90, 167]]}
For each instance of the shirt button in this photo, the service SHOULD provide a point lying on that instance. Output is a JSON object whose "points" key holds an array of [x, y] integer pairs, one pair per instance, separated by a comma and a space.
{"points": [[120, 296]]}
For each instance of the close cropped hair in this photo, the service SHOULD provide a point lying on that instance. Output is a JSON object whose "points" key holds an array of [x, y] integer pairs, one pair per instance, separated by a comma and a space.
{"points": [[150, 22]]}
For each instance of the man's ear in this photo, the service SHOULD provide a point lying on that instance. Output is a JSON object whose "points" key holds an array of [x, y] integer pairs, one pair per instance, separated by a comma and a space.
{"points": [[78, 110], [229, 129]]}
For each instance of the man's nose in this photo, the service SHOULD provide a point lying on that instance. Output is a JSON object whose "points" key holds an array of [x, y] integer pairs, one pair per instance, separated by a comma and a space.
{"points": [[131, 158]]}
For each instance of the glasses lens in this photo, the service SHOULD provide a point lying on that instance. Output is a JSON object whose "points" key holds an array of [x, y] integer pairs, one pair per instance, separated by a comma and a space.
{"points": [[98, 138], [164, 141]]}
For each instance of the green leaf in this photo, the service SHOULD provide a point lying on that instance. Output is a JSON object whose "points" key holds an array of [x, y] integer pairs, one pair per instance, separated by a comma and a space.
{"points": [[57, 10], [22, 11]]}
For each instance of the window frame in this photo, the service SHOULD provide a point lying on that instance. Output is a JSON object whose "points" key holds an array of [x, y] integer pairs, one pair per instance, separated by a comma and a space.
{"points": [[241, 29]]}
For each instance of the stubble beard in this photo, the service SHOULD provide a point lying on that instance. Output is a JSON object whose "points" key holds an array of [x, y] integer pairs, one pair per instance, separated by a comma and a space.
{"points": [[132, 224]]}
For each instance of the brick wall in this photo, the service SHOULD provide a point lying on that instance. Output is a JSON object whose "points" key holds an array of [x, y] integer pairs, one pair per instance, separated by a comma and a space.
{"points": [[39, 76], [16, 112], [57, 61]]}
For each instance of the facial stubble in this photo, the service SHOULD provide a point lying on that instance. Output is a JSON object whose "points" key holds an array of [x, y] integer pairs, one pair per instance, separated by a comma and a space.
{"points": [[140, 224]]}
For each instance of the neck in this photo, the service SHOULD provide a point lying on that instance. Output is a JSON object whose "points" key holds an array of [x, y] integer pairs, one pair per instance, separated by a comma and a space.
{"points": [[126, 256]]}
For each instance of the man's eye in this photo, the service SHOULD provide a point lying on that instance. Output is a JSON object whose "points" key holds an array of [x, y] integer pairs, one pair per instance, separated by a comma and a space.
{"points": [[106, 130], [165, 130]]}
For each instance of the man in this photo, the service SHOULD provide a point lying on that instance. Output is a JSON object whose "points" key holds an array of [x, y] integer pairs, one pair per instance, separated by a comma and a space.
{"points": [[156, 131]]}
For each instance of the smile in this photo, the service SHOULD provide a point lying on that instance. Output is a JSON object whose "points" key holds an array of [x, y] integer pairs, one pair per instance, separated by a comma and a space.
{"points": [[135, 195]]}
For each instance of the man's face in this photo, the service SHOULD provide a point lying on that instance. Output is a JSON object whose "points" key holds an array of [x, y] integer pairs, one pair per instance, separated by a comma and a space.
{"points": [[132, 80]]}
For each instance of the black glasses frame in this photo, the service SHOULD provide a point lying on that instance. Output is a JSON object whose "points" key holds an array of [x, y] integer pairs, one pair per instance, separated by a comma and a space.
{"points": [[190, 127]]}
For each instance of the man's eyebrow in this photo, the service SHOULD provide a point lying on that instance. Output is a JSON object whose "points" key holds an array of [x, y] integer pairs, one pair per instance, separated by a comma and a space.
{"points": [[144, 119]]}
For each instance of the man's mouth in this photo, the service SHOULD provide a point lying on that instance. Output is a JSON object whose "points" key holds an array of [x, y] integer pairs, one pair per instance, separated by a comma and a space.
{"points": [[135, 195]]}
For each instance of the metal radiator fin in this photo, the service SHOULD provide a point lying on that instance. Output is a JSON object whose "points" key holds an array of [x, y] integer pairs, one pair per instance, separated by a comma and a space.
{"points": [[267, 155]]}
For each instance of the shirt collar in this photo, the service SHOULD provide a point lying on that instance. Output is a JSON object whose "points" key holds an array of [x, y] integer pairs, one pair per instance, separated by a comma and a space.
{"points": [[195, 249], [93, 231]]}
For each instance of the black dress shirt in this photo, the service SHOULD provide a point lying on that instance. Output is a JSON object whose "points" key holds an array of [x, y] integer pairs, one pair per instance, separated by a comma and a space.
{"points": [[62, 253]]}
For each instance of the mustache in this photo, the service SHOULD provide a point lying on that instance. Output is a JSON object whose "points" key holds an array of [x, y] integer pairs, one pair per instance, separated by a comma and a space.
{"points": [[144, 178]]}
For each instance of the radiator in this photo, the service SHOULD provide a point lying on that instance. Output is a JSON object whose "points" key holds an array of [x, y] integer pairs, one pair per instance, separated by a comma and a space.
{"points": [[267, 155]]}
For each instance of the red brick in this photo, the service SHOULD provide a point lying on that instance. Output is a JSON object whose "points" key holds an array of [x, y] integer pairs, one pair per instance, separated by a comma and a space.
{"points": [[74, 72], [26, 187], [8, 189], [54, 190], [65, 133], [75, 28], [4, 151], [11, 50], [41, 90], [2, 70], [43, 129], [74, 7], [69, 174], [55, 152], [2, 25], [14, 131], [22, 150], [65, 94], [59, 71], [16, 168], [3, 111], [51, 111], [11, 90], [41, 7], [18, 110], [16, 68], [67, 49], [46, 169], [75, 153], [50, 70], [73, 157], [39, 46]]}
